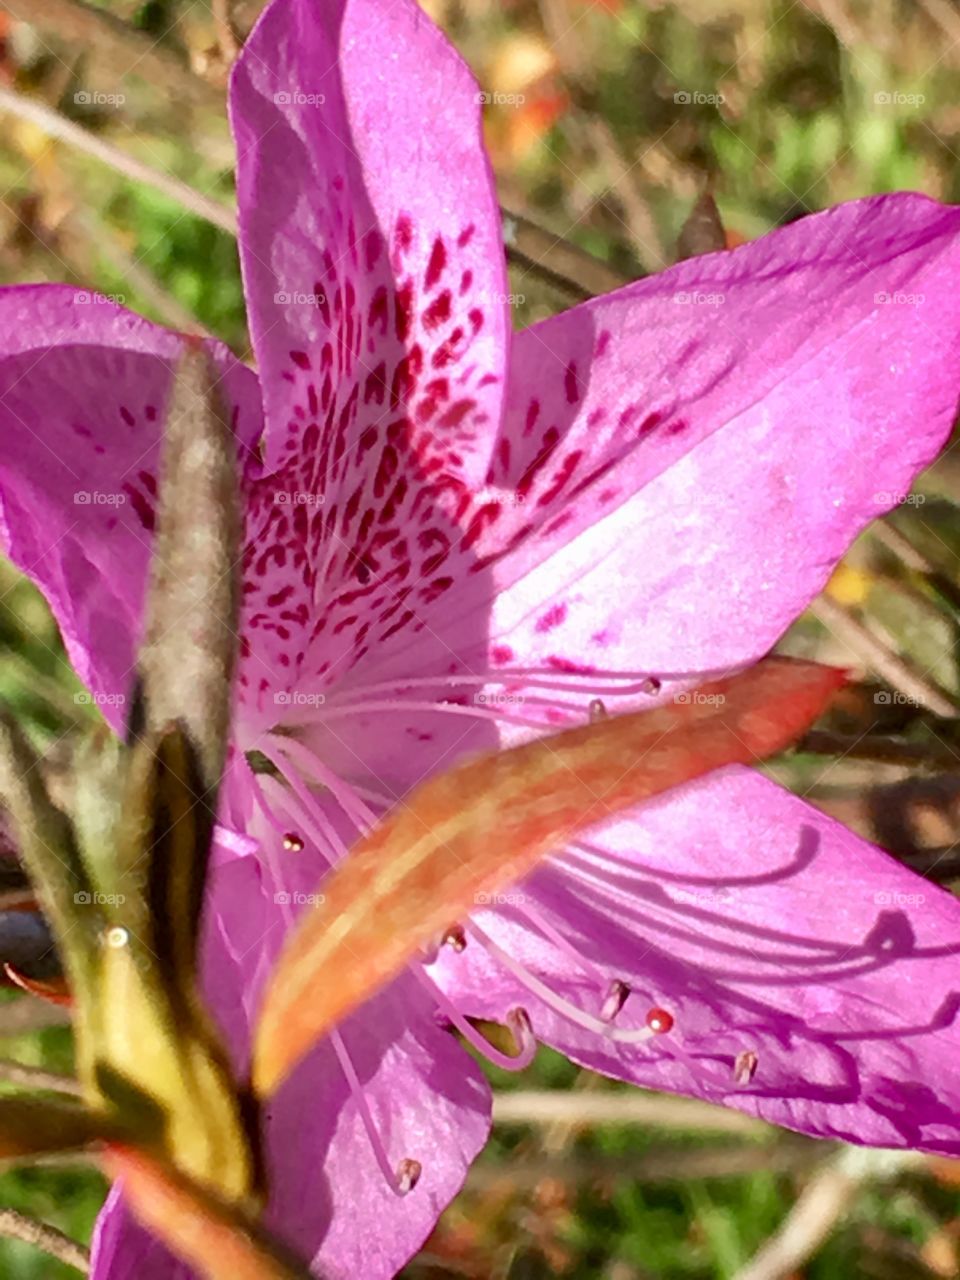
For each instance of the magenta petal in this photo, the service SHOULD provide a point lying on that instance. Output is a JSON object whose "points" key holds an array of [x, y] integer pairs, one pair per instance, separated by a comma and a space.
{"points": [[430, 1103], [699, 449], [763, 927], [83, 389], [370, 243]]}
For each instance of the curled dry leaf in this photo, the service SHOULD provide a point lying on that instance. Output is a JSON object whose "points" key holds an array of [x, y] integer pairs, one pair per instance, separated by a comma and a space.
{"points": [[425, 865]]}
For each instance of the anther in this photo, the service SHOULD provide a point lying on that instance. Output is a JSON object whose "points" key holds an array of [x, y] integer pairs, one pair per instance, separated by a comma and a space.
{"points": [[616, 997], [660, 1021], [597, 710], [292, 842], [745, 1066], [408, 1175], [455, 938], [652, 685]]}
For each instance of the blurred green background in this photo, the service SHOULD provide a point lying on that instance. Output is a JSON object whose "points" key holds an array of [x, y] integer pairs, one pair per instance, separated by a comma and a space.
{"points": [[606, 123]]}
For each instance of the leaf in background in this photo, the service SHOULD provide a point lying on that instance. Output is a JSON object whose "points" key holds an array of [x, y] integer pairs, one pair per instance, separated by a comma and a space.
{"points": [[216, 1240], [484, 825]]}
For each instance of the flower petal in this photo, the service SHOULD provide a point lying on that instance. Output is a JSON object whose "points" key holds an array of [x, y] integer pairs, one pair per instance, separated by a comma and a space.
{"points": [[764, 928], [83, 389], [370, 238], [698, 450], [376, 289]]}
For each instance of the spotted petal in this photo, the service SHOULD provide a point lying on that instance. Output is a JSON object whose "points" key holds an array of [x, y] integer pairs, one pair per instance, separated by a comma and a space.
{"points": [[375, 280], [684, 461]]}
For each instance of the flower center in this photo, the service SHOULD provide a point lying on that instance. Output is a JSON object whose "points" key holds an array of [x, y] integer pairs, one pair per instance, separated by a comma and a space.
{"points": [[310, 810]]}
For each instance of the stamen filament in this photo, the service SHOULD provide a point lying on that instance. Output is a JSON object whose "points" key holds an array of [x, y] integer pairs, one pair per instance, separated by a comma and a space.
{"points": [[402, 1179], [559, 1003], [517, 1020], [636, 682], [346, 796]]}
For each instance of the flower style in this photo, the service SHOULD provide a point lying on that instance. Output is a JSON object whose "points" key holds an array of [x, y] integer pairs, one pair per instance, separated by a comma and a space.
{"points": [[458, 537]]}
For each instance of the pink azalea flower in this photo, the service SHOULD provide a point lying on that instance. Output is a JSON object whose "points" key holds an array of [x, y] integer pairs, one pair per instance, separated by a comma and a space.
{"points": [[456, 537]]}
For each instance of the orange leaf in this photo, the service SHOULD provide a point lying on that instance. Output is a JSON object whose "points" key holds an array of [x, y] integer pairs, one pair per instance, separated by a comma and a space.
{"points": [[218, 1241], [486, 824]]}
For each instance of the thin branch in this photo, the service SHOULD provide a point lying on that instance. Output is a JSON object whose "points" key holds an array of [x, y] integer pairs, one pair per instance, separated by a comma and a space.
{"points": [[17, 1226], [901, 545], [20, 1073], [170, 311], [872, 651], [64, 130], [556, 261], [824, 1201], [19, 1017], [117, 46], [665, 1163], [548, 1106], [562, 264], [226, 34], [886, 750]]}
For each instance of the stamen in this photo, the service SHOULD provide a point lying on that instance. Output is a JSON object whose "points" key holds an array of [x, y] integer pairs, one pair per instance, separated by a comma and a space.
{"points": [[292, 842], [455, 938], [404, 1178], [518, 1023], [310, 804], [408, 1175], [360, 814], [474, 710], [745, 1066], [659, 1021], [597, 710], [563, 1006], [617, 995], [633, 682]]}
